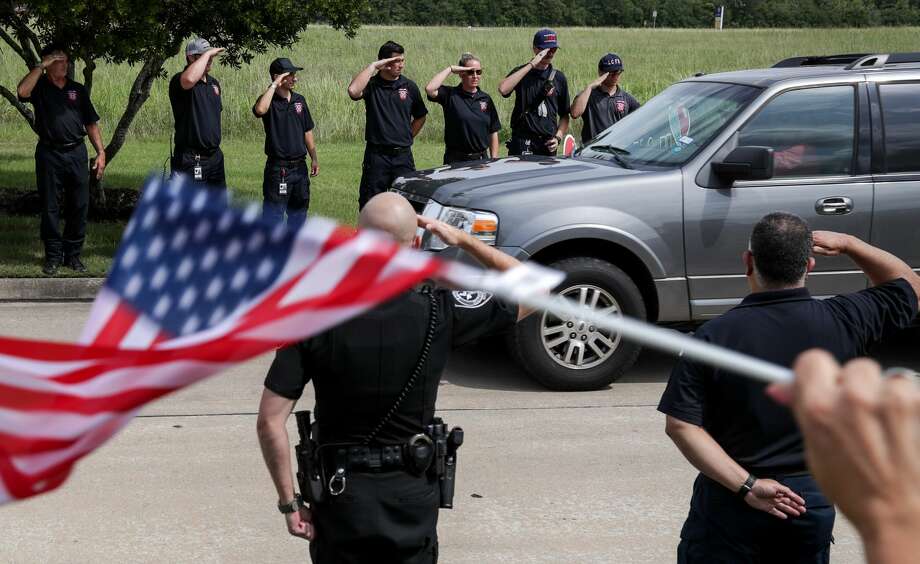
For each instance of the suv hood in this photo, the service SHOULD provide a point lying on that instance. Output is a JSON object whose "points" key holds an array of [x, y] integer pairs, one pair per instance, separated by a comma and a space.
{"points": [[460, 183]]}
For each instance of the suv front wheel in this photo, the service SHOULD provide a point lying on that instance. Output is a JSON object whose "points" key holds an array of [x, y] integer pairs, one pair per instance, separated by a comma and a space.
{"points": [[569, 353]]}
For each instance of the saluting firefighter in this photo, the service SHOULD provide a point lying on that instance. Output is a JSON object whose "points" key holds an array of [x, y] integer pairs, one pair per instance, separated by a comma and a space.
{"points": [[288, 138], [603, 102], [64, 114], [540, 118], [395, 115], [471, 123], [195, 97]]}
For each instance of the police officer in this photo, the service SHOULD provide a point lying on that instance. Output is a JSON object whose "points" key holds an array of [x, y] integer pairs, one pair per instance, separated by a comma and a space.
{"points": [[366, 398], [195, 97], [603, 102], [395, 115], [288, 139], [471, 121], [540, 118], [64, 114], [754, 496]]}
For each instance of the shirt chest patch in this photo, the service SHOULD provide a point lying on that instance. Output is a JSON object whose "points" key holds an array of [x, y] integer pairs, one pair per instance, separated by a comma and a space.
{"points": [[403, 94], [298, 107], [483, 106], [71, 96], [471, 299], [216, 89], [621, 105]]}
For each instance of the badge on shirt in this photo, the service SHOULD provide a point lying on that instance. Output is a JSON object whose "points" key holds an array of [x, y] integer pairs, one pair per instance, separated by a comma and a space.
{"points": [[298, 107], [216, 89], [483, 105], [621, 106], [471, 299], [403, 94], [72, 95]]}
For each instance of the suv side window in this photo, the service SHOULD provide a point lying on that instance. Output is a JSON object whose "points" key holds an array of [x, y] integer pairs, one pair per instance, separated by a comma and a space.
{"points": [[812, 131], [901, 116]]}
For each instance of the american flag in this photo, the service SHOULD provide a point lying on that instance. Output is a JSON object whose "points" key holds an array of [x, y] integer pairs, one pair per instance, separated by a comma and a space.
{"points": [[196, 286]]}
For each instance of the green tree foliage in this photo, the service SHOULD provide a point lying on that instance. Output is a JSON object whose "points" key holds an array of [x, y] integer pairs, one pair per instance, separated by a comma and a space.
{"points": [[145, 33], [638, 13]]}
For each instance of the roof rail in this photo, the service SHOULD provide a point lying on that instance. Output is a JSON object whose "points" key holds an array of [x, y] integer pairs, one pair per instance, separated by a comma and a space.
{"points": [[881, 60], [818, 60]]}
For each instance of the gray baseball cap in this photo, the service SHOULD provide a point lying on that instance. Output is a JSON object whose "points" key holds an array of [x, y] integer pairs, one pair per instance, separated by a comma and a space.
{"points": [[197, 46]]}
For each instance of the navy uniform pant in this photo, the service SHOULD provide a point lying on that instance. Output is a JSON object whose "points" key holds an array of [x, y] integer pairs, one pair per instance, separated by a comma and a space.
{"points": [[62, 171], [295, 199], [381, 167], [389, 517], [212, 166], [723, 529]]}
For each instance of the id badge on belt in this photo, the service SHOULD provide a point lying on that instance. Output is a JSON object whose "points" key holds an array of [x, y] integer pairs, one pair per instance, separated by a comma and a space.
{"points": [[282, 186], [196, 171]]}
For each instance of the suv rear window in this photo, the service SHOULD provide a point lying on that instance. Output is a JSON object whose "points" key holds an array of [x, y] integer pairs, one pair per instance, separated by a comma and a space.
{"points": [[811, 131], [901, 115]]}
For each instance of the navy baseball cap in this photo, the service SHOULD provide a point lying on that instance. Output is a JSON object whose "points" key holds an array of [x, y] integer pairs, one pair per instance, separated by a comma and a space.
{"points": [[611, 62], [281, 66], [545, 39]]}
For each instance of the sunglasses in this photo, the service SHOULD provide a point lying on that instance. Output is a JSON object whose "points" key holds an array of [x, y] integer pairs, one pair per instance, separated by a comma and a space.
{"points": [[477, 72]]}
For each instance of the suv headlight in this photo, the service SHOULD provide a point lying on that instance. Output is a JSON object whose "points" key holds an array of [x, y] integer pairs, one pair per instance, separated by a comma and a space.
{"points": [[479, 224]]}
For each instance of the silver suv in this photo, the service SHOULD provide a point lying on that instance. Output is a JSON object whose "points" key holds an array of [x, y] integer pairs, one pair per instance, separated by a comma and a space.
{"points": [[650, 218]]}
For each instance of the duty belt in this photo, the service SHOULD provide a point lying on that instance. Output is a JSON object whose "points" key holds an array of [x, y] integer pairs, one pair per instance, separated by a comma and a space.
{"points": [[388, 149], [360, 458]]}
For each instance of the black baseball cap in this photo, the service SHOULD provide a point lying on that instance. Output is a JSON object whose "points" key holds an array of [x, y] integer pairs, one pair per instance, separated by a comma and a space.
{"points": [[281, 66], [545, 39], [611, 62]]}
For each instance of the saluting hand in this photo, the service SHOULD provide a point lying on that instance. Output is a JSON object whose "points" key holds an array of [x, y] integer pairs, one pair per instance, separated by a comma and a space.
{"points": [[447, 233], [829, 243], [300, 524], [280, 78], [48, 60], [384, 62], [774, 498], [99, 165], [600, 80], [458, 69], [214, 51], [538, 57]]}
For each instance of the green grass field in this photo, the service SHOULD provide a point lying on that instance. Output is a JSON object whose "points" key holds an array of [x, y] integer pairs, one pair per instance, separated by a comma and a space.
{"points": [[654, 59]]}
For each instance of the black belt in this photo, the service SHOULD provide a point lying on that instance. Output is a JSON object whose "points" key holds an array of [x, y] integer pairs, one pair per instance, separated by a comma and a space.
{"points": [[360, 458], [288, 163], [388, 149], [204, 153], [467, 156], [61, 146]]}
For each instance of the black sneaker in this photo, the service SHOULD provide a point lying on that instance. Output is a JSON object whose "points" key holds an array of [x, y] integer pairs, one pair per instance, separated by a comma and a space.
{"points": [[76, 264], [50, 267]]}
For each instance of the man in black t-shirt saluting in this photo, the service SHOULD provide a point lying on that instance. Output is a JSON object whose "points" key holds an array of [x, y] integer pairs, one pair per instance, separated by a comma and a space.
{"points": [[288, 139], [195, 98], [395, 115], [540, 118], [603, 102], [64, 115]]}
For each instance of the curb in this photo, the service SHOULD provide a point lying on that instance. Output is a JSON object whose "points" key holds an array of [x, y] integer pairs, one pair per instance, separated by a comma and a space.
{"points": [[49, 289]]}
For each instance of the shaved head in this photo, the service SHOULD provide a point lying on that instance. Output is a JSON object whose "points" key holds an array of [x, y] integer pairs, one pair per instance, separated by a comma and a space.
{"points": [[391, 213]]}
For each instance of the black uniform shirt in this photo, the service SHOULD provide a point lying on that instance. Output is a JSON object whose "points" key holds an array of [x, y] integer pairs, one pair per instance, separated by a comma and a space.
{"points": [[604, 110], [469, 119], [360, 367], [197, 114], [754, 430], [391, 106], [536, 112], [285, 124], [61, 114]]}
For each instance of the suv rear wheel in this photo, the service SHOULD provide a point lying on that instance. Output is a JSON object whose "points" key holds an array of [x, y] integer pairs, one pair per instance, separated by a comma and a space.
{"points": [[568, 353]]}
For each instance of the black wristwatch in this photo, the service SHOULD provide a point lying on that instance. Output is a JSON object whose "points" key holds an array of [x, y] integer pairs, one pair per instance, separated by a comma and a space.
{"points": [[292, 506], [747, 486]]}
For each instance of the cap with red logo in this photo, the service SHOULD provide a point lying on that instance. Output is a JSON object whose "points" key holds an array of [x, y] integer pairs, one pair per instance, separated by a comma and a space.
{"points": [[545, 39]]}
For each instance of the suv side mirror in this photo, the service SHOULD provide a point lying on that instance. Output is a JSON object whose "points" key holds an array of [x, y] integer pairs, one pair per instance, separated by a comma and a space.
{"points": [[746, 163]]}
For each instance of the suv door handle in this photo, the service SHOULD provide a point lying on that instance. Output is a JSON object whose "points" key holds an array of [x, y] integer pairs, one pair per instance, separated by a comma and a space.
{"points": [[835, 205]]}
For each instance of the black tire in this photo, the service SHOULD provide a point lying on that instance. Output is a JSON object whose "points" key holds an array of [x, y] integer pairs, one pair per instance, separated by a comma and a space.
{"points": [[527, 343]]}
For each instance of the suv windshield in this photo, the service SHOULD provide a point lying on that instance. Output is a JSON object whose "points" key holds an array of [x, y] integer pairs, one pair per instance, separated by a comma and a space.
{"points": [[669, 129]]}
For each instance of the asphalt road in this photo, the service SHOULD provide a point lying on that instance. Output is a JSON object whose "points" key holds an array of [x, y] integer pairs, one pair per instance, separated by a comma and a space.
{"points": [[544, 476]]}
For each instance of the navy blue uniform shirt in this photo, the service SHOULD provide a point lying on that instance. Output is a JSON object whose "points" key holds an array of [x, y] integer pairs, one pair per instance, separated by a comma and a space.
{"points": [[285, 124], [469, 119], [537, 110], [391, 106], [61, 114], [359, 368], [604, 110], [197, 114], [777, 326]]}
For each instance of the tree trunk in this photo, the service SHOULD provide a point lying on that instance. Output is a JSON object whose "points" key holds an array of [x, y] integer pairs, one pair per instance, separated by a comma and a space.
{"points": [[140, 91], [88, 75], [20, 107]]}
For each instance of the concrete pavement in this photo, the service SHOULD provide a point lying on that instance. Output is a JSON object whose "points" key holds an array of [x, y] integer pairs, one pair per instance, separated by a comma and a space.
{"points": [[544, 476]]}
